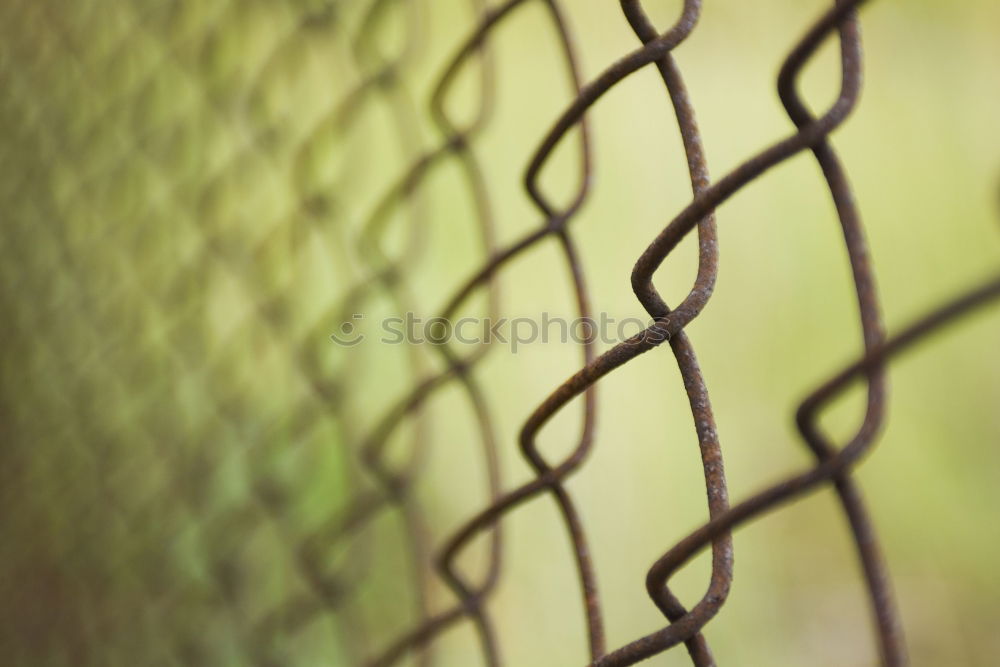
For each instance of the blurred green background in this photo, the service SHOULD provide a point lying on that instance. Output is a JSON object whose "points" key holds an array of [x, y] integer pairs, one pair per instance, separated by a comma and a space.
{"points": [[179, 207]]}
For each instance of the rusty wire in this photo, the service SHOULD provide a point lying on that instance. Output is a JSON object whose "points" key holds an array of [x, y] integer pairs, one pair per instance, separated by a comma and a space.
{"points": [[382, 81], [833, 464]]}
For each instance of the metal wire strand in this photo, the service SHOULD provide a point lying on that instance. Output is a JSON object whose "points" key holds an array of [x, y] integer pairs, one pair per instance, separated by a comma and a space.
{"points": [[811, 134], [326, 559]]}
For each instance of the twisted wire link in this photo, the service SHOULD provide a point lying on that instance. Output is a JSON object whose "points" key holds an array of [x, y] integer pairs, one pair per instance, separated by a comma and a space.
{"points": [[812, 133], [455, 142], [327, 559], [325, 591], [472, 597], [381, 74], [387, 273]]}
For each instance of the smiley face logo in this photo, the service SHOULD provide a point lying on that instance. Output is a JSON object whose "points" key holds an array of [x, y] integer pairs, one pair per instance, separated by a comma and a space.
{"points": [[348, 334]]}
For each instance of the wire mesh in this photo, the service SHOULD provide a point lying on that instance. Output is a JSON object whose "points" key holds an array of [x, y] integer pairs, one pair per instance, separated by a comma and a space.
{"points": [[261, 568]]}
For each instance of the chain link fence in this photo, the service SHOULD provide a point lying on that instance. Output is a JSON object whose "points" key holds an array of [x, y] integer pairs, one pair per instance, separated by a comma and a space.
{"points": [[197, 195]]}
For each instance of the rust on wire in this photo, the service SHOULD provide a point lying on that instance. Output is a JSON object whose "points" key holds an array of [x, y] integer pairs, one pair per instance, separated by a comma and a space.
{"points": [[380, 487], [833, 464]]}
